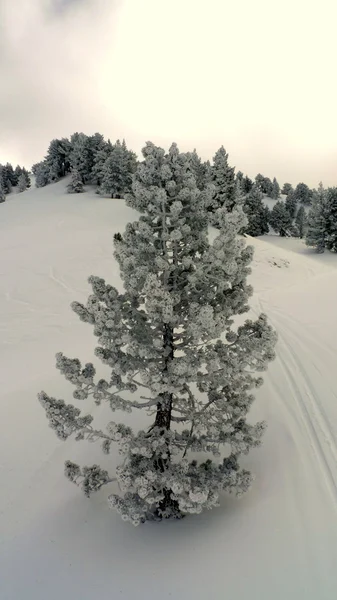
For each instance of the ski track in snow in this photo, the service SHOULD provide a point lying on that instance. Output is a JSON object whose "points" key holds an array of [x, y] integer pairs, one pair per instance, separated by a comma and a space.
{"points": [[306, 395], [316, 424]]}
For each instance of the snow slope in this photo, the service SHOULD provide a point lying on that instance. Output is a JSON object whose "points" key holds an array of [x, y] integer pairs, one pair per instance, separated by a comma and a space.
{"points": [[278, 542]]}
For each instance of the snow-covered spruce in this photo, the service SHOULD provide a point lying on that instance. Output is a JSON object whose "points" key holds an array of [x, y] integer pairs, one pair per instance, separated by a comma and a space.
{"points": [[75, 186], [161, 339], [317, 220]]}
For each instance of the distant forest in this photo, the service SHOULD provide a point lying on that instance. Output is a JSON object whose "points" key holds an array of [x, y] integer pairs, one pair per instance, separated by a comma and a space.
{"points": [[91, 160]]}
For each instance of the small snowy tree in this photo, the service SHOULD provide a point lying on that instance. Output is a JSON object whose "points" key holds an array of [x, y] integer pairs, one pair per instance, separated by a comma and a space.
{"points": [[331, 219], [41, 172], [280, 219], [75, 186], [58, 158], [264, 183], [161, 339], [247, 185], [275, 192], [317, 220], [223, 180], [81, 158], [197, 168], [256, 213], [300, 221], [2, 192], [291, 204], [117, 175], [303, 193], [287, 188], [100, 158], [22, 183]]}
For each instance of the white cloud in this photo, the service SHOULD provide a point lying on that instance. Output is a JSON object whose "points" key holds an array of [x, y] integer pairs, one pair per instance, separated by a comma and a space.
{"points": [[257, 77]]}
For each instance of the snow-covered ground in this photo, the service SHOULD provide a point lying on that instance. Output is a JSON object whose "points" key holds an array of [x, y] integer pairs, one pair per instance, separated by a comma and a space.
{"points": [[278, 542]]}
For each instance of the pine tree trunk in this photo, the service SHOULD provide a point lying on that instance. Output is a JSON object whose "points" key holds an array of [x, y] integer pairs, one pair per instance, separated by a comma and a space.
{"points": [[168, 507], [164, 407]]}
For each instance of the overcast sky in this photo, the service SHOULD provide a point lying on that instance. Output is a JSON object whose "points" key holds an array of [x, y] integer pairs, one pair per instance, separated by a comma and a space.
{"points": [[258, 76]]}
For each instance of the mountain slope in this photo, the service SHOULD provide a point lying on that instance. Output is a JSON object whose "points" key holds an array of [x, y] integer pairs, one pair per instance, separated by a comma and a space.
{"points": [[279, 541]]}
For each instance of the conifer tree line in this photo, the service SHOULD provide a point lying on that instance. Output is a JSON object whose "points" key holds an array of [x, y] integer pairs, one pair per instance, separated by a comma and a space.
{"points": [[10, 178], [321, 231], [91, 160]]}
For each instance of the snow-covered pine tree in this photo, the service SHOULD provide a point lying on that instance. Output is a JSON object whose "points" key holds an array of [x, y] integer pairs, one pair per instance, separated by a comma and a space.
{"points": [[300, 221], [81, 156], [264, 183], [207, 174], [41, 172], [10, 174], [75, 186], [196, 168], [117, 177], [247, 185], [5, 180], [255, 211], [58, 159], [161, 339], [22, 183], [2, 191], [303, 193], [27, 177], [317, 220], [223, 180], [239, 176], [291, 204], [280, 219], [275, 192], [99, 162], [287, 188], [331, 219]]}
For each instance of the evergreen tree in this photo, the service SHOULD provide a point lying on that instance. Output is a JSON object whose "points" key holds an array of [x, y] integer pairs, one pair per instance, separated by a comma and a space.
{"points": [[280, 219], [131, 162], [303, 193], [25, 173], [5, 180], [17, 174], [287, 189], [10, 174], [22, 183], [247, 185], [207, 174], [331, 219], [265, 184], [2, 191], [35, 168], [161, 337], [300, 221], [117, 177], [197, 168], [75, 186], [239, 176], [58, 158], [100, 158], [223, 180], [291, 204], [317, 220], [256, 213], [275, 192], [96, 143], [41, 172], [81, 156]]}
